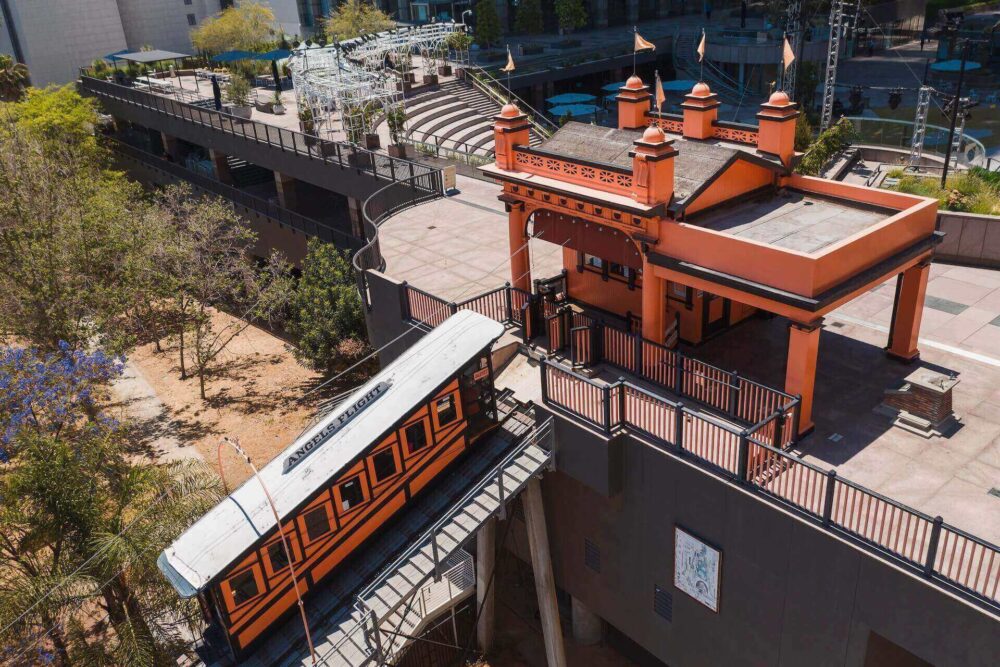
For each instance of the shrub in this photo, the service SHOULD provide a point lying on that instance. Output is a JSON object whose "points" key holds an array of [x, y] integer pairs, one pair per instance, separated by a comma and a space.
{"points": [[238, 91]]}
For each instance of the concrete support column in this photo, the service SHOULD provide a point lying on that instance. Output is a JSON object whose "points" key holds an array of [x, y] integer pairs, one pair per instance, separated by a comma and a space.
{"points": [[600, 9], [170, 147], [632, 10], [588, 628], [911, 287], [653, 303], [541, 564], [800, 368], [354, 207], [287, 194], [520, 252], [486, 558], [221, 166]]}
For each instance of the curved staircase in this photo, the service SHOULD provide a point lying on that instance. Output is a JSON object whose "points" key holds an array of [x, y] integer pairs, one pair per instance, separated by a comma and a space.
{"points": [[455, 117]]}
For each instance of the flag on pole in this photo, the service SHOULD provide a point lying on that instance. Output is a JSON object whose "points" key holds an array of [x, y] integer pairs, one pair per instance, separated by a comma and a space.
{"points": [[701, 47], [661, 97], [641, 44], [509, 67], [787, 56]]}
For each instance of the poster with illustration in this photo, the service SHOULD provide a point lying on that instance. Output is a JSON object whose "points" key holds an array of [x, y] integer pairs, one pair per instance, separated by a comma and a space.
{"points": [[697, 568]]}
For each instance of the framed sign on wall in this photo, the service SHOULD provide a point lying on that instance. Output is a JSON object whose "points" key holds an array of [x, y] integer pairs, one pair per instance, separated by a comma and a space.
{"points": [[697, 568]]}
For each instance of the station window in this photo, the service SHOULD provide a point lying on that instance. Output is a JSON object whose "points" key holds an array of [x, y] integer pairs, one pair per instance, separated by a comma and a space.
{"points": [[416, 436], [188, 2], [317, 523], [591, 260], [192, 19], [446, 412], [244, 587], [384, 463], [351, 494], [276, 554], [619, 270]]}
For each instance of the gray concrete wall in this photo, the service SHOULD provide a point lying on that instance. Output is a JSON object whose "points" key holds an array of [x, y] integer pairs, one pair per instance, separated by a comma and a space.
{"points": [[791, 593], [385, 318], [970, 238]]}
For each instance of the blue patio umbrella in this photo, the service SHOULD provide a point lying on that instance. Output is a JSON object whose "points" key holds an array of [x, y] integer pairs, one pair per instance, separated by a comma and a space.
{"points": [[576, 110], [113, 57], [277, 54], [678, 86], [570, 98], [613, 87], [954, 66]]}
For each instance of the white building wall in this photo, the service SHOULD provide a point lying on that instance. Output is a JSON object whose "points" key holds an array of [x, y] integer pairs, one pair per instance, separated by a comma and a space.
{"points": [[286, 13], [163, 24], [59, 36]]}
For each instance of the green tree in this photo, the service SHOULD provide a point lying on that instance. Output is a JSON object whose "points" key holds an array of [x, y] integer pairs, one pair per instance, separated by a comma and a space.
{"points": [[354, 18], [487, 23], [571, 15], [327, 319], [14, 79], [529, 17], [208, 266], [836, 138], [75, 238], [803, 133], [245, 26]]}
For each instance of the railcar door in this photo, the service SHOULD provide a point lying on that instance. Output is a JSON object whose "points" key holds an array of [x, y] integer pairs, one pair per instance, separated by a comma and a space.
{"points": [[478, 398]]}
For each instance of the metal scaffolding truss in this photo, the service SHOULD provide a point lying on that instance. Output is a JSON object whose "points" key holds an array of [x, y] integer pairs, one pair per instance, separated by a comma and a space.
{"points": [[356, 78]]}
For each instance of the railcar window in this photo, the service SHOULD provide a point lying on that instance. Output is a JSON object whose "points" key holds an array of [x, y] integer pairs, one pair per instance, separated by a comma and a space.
{"points": [[446, 410], [276, 553], [384, 463], [244, 587], [317, 523], [351, 494], [416, 436]]}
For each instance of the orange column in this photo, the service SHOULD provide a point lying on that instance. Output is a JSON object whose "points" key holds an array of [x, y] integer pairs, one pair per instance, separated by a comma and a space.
{"points": [[800, 368], [653, 305], [909, 311], [520, 256]]}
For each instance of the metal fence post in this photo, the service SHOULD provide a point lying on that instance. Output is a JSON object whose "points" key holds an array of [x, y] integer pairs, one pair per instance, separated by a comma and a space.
{"points": [[795, 418], [637, 354], [779, 427], [679, 426], [453, 307], [545, 379], [932, 546], [404, 300], [434, 554], [621, 401], [831, 482], [742, 455], [679, 373], [607, 408], [502, 510], [509, 303], [734, 392]]}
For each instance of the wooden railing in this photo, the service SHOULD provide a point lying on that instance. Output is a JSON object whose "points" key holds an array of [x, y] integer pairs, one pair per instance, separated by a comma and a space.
{"points": [[942, 553]]}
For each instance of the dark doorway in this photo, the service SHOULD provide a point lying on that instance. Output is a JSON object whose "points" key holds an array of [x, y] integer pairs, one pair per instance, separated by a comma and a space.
{"points": [[882, 652]]}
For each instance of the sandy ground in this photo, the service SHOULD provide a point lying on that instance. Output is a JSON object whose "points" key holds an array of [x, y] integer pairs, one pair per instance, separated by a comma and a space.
{"points": [[253, 392]]}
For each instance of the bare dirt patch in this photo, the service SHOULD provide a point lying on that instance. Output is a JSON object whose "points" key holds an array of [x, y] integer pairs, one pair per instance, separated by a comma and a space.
{"points": [[255, 394]]}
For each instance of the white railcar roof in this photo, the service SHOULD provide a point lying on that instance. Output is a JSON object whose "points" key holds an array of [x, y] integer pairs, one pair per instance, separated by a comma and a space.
{"points": [[216, 540]]}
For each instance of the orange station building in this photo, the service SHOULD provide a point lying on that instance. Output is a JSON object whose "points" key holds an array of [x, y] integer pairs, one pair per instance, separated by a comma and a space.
{"points": [[694, 224]]}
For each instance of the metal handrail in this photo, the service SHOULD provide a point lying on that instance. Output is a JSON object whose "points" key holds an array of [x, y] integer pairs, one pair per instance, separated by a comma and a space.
{"points": [[495, 473], [539, 122], [237, 197]]}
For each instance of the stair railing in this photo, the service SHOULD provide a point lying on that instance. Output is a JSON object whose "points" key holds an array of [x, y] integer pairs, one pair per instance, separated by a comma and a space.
{"points": [[490, 86]]}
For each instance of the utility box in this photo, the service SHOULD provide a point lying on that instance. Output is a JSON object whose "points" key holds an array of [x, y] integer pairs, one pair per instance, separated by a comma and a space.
{"points": [[922, 403]]}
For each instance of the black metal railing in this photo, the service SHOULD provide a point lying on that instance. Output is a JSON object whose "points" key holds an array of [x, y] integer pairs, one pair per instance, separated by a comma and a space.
{"points": [[240, 199], [337, 153]]}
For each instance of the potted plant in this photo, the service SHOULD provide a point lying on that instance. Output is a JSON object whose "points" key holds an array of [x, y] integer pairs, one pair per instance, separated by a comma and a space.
{"points": [[444, 67], [238, 96], [396, 119], [277, 107], [307, 125]]}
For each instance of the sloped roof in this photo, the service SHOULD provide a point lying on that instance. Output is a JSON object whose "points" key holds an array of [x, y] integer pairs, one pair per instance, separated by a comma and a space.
{"points": [[697, 162]]}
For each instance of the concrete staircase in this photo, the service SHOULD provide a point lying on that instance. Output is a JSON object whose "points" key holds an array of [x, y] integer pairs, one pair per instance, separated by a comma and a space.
{"points": [[245, 174], [455, 117]]}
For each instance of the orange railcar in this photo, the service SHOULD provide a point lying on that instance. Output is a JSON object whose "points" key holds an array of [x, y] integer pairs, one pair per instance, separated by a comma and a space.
{"points": [[339, 482]]}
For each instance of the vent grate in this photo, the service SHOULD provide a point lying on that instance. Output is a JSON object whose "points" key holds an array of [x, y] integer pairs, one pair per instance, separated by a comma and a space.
{"points": [[994, 492], [663, 603], [591, 555]]}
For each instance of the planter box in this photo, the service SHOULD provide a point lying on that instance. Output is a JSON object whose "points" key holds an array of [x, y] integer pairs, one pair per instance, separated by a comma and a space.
{"points": [[399, 150], [444, 70], [278, 109], [241, 112], [430, 79], [372, 142], [360, 160], [328, 149], [409, 77]]}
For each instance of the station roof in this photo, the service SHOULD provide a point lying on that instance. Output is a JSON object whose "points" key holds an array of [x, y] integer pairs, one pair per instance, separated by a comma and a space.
{"points": [[228, 530], [697, 162], [792, 219]]}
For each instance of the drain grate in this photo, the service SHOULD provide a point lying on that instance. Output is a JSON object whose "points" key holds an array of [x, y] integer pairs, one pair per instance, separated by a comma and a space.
{"points": [[994, 492]]}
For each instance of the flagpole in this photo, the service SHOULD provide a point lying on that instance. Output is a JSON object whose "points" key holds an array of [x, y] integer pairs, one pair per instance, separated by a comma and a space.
{"points": [[701, 75], [635, 31]]}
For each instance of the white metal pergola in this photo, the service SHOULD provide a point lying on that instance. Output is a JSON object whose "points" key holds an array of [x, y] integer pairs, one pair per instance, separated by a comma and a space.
{"points": [[356, 78]]}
